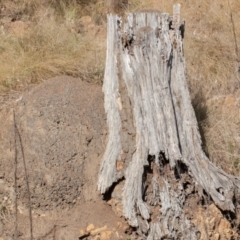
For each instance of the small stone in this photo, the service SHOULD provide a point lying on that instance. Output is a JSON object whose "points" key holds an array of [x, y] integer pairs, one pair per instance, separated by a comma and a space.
{"points": [[212, 223], [83, 233], [216, 236], [123, 226], [90, 227], [98, 230], [120, 165], [118, 209], [86, 20], [119, 224], [224, 226], [106, 235], [117, 234], [110, 202]]}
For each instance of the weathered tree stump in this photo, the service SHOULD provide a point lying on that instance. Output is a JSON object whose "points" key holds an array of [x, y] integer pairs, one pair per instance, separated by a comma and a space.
{"points": [[154, 145]]}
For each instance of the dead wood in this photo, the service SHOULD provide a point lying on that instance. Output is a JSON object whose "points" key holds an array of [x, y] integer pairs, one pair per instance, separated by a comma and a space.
{"points": [[153, 131]]}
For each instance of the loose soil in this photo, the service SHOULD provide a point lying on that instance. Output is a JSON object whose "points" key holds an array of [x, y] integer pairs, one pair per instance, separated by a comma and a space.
{"points": [[50, 156]]}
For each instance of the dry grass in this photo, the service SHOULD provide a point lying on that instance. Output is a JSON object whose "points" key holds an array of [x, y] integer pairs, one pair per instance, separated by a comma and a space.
{"points": [[222, 134], [48, 47], [212, 31]]}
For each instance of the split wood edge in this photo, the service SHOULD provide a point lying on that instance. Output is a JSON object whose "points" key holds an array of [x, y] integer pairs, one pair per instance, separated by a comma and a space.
{"points": [[145, 57]]}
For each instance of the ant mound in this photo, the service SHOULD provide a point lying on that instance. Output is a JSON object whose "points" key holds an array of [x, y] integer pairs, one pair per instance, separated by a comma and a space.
{"points": [[52, 141]]}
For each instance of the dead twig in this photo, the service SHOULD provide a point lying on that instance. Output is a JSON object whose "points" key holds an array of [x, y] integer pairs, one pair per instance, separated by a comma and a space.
{"points": [[15, 174], [17, 133], [235, 41]]}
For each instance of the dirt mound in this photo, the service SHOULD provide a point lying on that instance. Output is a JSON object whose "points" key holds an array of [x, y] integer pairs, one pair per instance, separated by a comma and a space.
{"points": [[50, 156]]}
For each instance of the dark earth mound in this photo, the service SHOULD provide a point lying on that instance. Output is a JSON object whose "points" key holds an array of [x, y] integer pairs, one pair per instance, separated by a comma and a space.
{"points": [[50, 156]]}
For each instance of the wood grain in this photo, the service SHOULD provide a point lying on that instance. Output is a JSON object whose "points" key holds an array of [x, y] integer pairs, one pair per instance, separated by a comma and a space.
{"points": [[145, 54]]}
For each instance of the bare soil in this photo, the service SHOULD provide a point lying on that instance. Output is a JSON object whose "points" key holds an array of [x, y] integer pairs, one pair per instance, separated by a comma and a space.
{"points": [[50, 156]]}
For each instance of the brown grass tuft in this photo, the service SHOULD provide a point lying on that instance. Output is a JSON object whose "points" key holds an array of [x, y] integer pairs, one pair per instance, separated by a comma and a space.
{"points": [[47, 48]]}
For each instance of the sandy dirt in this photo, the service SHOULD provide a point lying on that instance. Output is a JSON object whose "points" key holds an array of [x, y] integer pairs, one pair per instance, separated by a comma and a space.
{"points": [[50, 156]]}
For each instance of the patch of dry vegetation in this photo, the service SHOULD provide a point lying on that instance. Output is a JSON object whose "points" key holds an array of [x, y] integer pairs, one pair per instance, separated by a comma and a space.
{"points": [[46, 42], [54, 44]]}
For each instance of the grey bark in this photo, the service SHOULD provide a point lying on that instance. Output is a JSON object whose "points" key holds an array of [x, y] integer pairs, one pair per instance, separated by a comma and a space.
{"points": [[145, 87]]}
